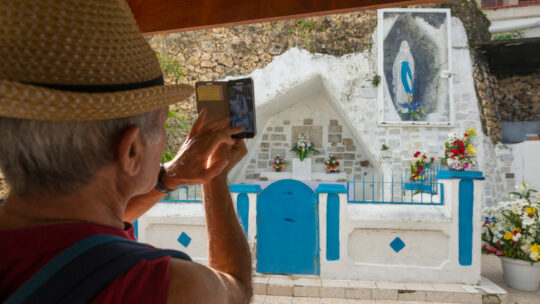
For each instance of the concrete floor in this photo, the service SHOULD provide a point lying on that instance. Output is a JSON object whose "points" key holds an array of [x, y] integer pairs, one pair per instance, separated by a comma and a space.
{"points": [[492, 269]]}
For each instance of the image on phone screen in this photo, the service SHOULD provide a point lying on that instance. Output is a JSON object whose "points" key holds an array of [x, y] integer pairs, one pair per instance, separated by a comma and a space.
{"points": [[241, 106]]}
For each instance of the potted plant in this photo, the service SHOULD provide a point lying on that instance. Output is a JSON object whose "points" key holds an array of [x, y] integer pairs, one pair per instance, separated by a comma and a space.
{"points": [[303, 146], [459, 153], [278, 164], [331, 164], [511, 230], [419, 167]]}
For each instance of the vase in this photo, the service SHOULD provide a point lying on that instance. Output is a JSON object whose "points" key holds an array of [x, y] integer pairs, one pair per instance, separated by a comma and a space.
{"points": [[521, 274]]}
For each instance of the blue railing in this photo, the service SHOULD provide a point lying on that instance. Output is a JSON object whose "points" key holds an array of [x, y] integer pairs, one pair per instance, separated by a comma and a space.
{"points": [[185, 194], [398, 189]]}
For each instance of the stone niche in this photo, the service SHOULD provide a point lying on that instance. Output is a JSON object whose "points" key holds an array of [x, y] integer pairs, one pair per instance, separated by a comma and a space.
{"points": [[312, 113]]}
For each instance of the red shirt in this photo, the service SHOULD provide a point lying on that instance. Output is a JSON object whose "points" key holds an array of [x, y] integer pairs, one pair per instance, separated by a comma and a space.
{"points": [[25, 251]]}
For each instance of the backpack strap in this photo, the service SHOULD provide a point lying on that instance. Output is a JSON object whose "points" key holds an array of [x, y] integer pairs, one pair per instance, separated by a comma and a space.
{"points": [[79, 272]]}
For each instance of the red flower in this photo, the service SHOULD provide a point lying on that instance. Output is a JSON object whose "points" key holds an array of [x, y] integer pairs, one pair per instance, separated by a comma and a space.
{"points": [[453, 156], [461, 147], [337, 163], [433, 159], [454, 151], [417, 153], [424, 157], [419, 167], [465, 134], [455, 142]]}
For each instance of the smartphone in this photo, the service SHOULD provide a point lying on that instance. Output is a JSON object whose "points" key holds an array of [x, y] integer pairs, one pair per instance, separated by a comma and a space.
{"points": [[242, 106], [213, 96]]}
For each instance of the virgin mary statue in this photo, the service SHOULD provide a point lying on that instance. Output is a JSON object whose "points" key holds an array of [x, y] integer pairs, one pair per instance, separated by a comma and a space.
{"points": [[403, 79]]}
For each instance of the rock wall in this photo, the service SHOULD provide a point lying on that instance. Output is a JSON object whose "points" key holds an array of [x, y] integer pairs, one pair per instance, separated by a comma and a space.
{"points": [[519, 98]]}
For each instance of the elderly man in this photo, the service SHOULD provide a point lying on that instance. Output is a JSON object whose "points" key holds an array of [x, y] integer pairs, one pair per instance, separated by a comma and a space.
{"points": [[82, 113]]}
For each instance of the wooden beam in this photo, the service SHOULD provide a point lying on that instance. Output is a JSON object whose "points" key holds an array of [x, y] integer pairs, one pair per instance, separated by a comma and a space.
{"points": [[158, 16]]}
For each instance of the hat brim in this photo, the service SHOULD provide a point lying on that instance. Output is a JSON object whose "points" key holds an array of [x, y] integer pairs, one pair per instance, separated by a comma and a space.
{"points": [[25, 101]]}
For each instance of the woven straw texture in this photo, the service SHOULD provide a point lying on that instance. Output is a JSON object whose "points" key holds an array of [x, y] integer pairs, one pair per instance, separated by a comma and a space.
{"points": [[84, 42]]}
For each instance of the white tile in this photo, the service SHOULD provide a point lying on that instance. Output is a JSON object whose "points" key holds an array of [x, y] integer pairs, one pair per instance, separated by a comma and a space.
{"points": [[440, 296], [362, 284], [281, 281], [279, 290], [358, 301], [384, 294], [335, 283], [261, 280], [419, 286], [390, 285], [306, 300], [471, 298], [358, 293], [411, 295], [278, 300], [333, 292], [307, 291], [448, 287], [307, 282], [333, 301], [258, 299]]}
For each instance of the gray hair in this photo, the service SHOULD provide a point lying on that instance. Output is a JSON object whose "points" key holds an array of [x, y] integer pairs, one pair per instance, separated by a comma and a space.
{"points": [[58, 157]]}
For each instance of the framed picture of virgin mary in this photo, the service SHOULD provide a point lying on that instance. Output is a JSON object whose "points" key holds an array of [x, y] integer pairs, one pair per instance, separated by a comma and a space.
{"points": [[414, 63]]}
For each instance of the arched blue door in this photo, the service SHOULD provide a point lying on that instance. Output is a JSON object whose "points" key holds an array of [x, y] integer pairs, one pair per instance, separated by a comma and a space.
{"points": [[287, 229]]}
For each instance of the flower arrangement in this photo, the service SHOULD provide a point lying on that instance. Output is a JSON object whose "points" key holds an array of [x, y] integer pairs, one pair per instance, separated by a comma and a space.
{"points": [[512, 228], [420, 164], [303, 146], [459, 153], [411, 110], [331, 164], [279, 163]]}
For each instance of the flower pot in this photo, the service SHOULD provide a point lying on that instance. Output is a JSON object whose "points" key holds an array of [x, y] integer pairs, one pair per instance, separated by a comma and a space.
{"points": [[520, 274]]}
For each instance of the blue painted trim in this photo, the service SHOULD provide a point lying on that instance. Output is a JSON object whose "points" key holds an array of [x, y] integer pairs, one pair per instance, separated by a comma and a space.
{"points": [[243, 188], [396, 203], [330, 188], [242, 207], [418, 186], [332, 227], [397, 244], [136, 229], [465, 222], [449, 174]]}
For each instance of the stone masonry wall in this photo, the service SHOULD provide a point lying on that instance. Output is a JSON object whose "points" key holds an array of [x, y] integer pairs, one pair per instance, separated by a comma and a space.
{"points": [[519, 98]]}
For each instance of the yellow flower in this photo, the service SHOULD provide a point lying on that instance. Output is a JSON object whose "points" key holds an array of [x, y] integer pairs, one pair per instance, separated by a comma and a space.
{"points": [[535, 248], [508, 236], [518, 229], [471, 149], [531, 210], [471, 131]]}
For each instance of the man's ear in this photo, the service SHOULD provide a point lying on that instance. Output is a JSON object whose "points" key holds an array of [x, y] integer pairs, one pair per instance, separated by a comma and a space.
{"points": [[129, 151]]}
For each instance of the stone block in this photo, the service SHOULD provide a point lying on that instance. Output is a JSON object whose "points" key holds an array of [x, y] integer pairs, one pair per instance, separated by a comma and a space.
{"points": [[265, 137], [269, 129], [333, 122], [385, 294], [510, 175], [252, 161], [507, 157], [276, 152], [286, 122], [265, 145], [263, 156], [394, 132], [307, 291], [347, 142], [335, 129], [348, 163], [348, 170], [276, 144], [368, 92], [349, 156], [440, 296], [315, 134], [340, 149], [262, 164], [358, 293], [278, 129], [333, 292], [251, 166], [252, 176], [308, 121], [364, 163], [319, 160], [278, 137], [350, 148], [334, 138], [411, 295]]}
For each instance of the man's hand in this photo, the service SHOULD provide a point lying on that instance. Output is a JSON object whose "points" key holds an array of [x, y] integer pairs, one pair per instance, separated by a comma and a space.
{"points": [[208, 152]]}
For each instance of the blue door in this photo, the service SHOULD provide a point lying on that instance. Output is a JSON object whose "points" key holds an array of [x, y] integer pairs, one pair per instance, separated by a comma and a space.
{"points": [[287, 229]]}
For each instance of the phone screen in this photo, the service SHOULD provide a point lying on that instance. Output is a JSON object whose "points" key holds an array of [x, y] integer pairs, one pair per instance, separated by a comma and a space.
{"points": [[241, 106]]}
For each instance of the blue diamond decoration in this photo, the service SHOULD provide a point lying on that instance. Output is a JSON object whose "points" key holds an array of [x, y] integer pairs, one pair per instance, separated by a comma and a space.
{"points": [[184, 239], [397, 244]]}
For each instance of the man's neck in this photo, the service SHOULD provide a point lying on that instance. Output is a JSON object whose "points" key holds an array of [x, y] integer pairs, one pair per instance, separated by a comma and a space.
{"points": [[93, 203]]}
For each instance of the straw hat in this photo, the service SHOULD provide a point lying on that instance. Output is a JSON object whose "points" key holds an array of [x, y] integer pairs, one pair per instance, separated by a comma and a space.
{"points": [[77, 60]]}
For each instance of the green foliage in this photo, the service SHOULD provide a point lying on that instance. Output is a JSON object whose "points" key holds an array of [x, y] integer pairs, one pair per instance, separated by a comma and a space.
{"points": [[384, 147], [306, 25], [171, 65], [525, 194], [376, 80], [174, 125], [509, 35]]}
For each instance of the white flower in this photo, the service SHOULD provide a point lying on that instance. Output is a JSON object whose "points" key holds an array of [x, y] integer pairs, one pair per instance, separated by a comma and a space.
{"points": [[516, 237], [527, 221], [533, 256]]}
